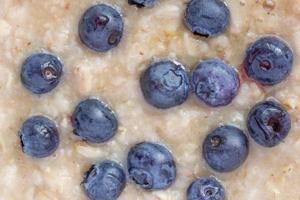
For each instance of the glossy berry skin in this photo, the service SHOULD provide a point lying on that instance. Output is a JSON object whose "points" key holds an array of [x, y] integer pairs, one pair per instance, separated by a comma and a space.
{"points": [[142, 3], [94, 121], [268, 123], [165, 84], [151, 166], [207, 17], [268, 61], [215, 83], [225, 148], [206, 188], [41, 73], [101, 28], [104, 181], [39, 137]]}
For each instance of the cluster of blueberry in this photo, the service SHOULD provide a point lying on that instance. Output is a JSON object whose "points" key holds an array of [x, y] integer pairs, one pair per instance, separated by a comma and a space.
{"points": [[164, 84]]}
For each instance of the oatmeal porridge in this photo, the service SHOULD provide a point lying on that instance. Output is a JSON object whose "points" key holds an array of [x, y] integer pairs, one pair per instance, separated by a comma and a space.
{"points": [[145, 35]]}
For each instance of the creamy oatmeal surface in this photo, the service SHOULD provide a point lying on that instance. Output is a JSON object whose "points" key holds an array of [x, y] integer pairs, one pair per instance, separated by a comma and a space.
{"points": [[29, 26]]}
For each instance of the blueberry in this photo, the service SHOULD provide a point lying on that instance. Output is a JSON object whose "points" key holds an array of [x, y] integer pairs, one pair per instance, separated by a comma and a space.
{"points": [[268, 123], [151, 166], [142, 3], [104, 181], [207, 188], [207, 17], [94, 121], [41, 73], [269, 61], [225, 148], [39, 137], [215, 83], [165, 84], [101, 28]]}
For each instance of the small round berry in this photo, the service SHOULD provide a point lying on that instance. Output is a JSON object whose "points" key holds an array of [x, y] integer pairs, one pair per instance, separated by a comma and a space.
{"points": [[41, 73], [142, 3], [215, 83], [225, 148], [101, 28], [207, 188], [165, 84], [151, 166], [39, 137], [207, 18], [268, 123], [94, 121], [105, 181], [269, 61]]}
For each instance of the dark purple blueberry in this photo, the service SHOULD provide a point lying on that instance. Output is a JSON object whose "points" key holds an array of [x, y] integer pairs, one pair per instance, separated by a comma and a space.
{"points": [[104, 181], [207, 188], [165, 84], [207, 17], [142, 3], [39, 137], [151, 166], [215, 83], [41, 73], [269, 61], [268, 123], [101, 28], [225, 148], [94, 121]]}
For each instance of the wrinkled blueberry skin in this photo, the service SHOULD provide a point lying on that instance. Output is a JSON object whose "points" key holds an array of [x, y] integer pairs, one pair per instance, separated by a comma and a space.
{"points": [[268, 123], [94, 121], [207, 188], [165, 84], [104, 181], [151, 166], [215, 83], [41, 73], [39, 137], [225, 148], [207, 18], [142, 3], [269, 61], [101, 28]]}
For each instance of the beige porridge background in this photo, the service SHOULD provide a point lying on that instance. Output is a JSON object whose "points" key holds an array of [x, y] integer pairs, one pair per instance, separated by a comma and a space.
{"points": [[28, 26]]}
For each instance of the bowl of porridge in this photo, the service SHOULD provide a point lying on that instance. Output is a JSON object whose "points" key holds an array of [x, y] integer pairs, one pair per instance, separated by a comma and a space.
{"points": [[149, 99]]}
